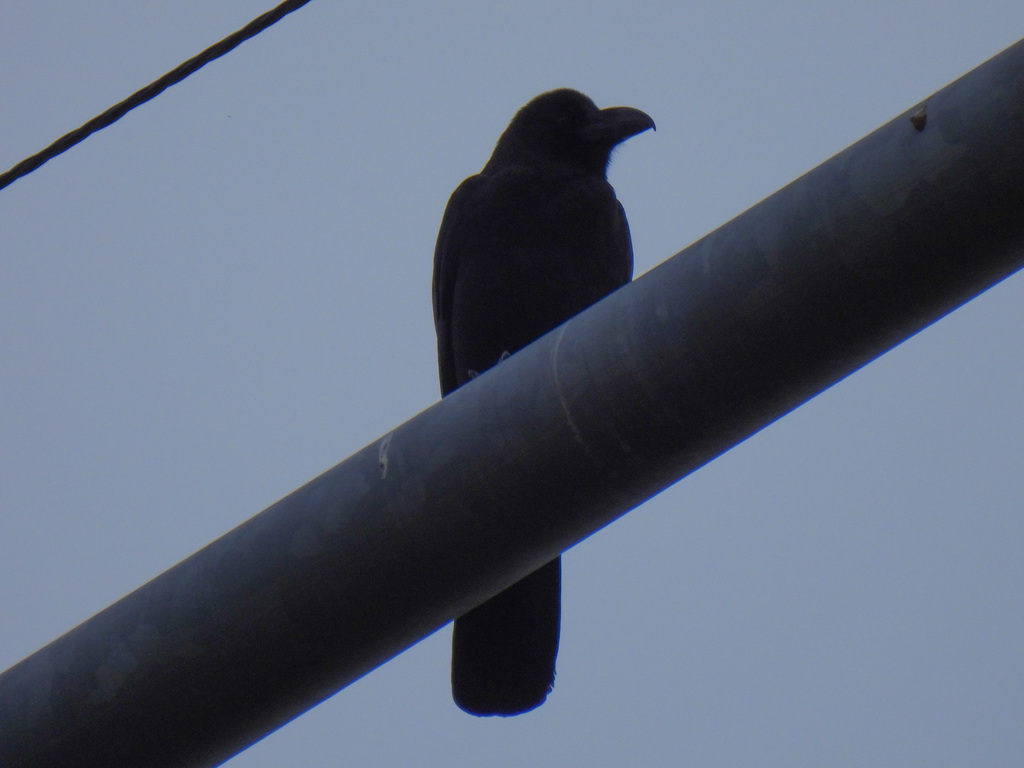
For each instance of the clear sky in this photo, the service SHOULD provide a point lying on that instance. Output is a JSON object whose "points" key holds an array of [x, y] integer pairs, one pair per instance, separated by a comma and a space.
{"points": [[227, 292]]}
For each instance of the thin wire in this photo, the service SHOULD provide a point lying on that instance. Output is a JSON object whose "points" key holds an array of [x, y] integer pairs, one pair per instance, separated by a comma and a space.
{"points": [[152, 90]]}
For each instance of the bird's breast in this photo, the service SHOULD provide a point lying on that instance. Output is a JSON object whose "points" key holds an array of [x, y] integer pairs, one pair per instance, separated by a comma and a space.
{"points": [[535, 253]]}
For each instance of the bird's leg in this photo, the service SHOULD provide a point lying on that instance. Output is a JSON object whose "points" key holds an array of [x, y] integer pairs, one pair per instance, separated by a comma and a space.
{"points": [[504, 356]]}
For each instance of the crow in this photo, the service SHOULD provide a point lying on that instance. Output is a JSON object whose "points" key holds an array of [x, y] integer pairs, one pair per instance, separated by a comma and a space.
{"points": [[533, 239]]}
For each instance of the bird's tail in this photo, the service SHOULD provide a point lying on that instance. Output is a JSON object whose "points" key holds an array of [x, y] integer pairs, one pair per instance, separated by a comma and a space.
{"points": [[503, 652]]}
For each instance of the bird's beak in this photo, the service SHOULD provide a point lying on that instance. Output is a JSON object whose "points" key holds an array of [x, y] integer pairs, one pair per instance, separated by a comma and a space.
{"points": [[616, 124]]}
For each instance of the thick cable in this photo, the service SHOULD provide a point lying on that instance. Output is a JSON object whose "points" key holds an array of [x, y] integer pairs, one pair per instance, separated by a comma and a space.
{"points": [[151, 91]]}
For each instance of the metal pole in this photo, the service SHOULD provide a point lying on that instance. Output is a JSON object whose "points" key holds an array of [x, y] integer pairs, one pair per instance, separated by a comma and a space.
{"points": [[535, 455]]}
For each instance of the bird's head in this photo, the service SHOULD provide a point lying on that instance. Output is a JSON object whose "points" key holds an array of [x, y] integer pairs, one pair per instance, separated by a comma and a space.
{"points": [[567, 128]]}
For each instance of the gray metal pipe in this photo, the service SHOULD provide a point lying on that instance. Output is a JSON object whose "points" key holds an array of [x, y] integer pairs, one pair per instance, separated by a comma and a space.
{"points": [[540, 452]]}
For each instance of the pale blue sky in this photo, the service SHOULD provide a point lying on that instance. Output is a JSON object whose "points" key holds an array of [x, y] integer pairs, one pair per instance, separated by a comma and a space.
{"points": [[227, 292]]}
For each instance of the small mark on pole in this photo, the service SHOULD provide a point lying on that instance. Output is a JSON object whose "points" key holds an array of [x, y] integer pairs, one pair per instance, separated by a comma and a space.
{"points": [[382, 455], [919, 118]]}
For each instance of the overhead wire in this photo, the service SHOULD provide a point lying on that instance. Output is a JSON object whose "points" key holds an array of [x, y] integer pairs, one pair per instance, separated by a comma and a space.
{"points": [[154, 89]]}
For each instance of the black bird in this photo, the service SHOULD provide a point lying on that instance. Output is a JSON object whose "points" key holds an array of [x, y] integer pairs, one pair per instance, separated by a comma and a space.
{"points": [[534, 238]]}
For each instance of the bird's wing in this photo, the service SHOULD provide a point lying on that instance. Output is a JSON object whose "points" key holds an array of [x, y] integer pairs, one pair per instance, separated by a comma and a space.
{"points": [[446, 264]]}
